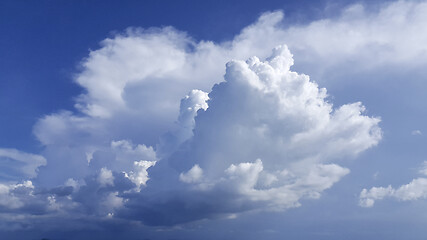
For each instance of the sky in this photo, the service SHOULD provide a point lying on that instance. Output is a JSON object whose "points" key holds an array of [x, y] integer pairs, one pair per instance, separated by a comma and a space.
{"points": [[213, 119]]}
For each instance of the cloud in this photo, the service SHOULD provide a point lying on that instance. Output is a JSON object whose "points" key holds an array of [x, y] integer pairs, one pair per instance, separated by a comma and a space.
{"points": [[134, 82], [389, 35], [193, 175], [16, 190], [105, 177], [416, 189], [266, 141], [10, 194], [151, 140], [416, 132], [17, 165]]}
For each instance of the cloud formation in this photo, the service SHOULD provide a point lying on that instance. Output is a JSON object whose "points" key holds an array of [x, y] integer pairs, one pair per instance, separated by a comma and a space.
{"points": [[137, 78], [267, 140], [263, 139], [151, 140], [416, 189]]}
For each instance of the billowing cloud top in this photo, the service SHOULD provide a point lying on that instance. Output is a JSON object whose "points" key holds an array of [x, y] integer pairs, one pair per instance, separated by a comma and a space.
{"points": [[267, 139]]}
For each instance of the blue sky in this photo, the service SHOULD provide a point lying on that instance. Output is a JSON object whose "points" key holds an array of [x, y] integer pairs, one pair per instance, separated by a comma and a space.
{"points": [[213, 119]]}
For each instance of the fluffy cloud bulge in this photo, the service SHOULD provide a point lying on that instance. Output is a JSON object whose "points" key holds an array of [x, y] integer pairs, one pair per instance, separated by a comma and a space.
{"points": [[416, 189], [170, 130]]}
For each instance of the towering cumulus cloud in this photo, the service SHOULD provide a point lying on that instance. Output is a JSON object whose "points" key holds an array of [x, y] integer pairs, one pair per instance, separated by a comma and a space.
{"points": [[268, 139]]}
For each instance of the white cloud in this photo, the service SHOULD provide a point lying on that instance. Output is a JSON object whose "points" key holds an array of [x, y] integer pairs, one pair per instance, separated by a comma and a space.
{"points": [[416, 189], [267, 136], [125, 151], [389, 35], [10, 194], [112, 201], [416, 132], [17, 165], [105, 177], [368, 197], [139, 176], [193, 175], [134, 82], [133, 161], [73, 183], [264, 120], [194, 101], [265, 110], [189, 106]]}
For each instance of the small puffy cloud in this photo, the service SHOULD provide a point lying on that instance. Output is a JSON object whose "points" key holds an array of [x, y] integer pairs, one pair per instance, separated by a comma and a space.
{"points": [[125, 150], [139, 175], [133, 161], [416, 189], [190, 104], [368, 197], [416, 132], [112, 201], [106, 177], [193, 175], [10, 195]]}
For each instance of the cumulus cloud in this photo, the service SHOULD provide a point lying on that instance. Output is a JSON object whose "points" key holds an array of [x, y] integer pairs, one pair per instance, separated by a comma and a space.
{"points": [[143, 144], [10, 194], [263, 139], [140, 175], [266, 141], [423, 168], [138, 77], [416, 189]]}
